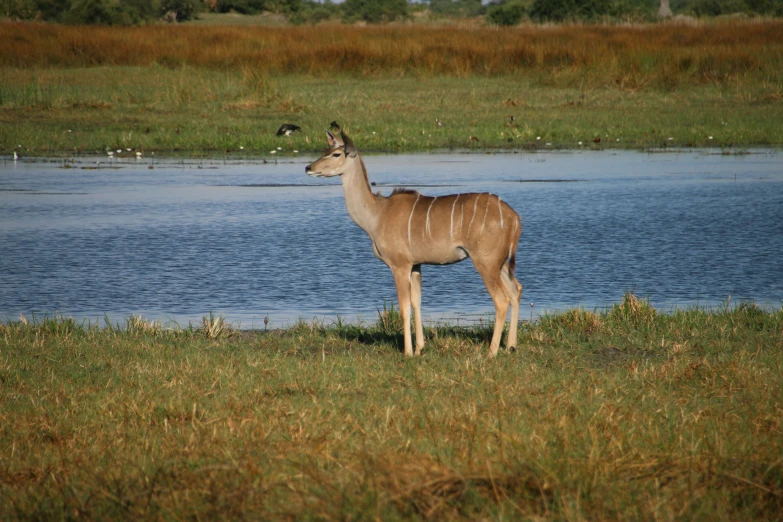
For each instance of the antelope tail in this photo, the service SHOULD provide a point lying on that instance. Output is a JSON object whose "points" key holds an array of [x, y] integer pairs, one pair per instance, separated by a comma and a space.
{"points": [[512, 247]]}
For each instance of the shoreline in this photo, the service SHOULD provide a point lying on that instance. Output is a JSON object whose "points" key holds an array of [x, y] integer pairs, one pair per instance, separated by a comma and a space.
{"points": [[257, 156]]}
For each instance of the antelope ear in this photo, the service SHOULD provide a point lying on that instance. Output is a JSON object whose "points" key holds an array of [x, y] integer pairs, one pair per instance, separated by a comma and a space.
{"points": [[332, 141], [350, 148]]}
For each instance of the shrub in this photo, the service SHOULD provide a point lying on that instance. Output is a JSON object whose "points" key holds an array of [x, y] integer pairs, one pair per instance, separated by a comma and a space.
{"points": [[374, 11], [560, 10], [31, 9], [312, 13], [97, 12], [457, 8], [184, 9], [507, 13]]}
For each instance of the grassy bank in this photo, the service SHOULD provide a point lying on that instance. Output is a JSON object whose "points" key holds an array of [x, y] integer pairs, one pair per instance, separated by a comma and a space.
{"points": [[628, 414], [86, 111], [66, 90]]}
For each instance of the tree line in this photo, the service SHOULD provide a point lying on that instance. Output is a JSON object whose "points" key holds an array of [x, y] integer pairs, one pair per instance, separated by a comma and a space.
{"points": [[499, 12]]}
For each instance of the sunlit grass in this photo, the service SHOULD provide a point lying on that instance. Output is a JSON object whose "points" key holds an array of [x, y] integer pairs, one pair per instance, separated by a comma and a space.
{"points": [[629, 413], [66, 90], [87, 111], [629, 56]]}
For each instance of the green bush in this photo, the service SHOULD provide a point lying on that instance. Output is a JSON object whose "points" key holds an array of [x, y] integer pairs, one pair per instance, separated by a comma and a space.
{"points": [[457, 8], [374, 11], [101, 12], [32, 9], [97, 12], [507, 13], [561, 10], [708, 8], [240, 6], [184, 9], [312, 13]]}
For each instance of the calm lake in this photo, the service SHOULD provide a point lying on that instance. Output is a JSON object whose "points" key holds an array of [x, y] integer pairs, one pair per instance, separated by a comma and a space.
{"points": [[248, 239]]}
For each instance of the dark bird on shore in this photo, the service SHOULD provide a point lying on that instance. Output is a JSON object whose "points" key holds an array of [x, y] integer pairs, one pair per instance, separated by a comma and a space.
{"points": [[597, 140], [287, 128], [334, 126], [511, 121]]}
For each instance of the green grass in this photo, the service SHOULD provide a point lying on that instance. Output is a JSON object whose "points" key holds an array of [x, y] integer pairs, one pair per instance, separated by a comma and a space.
{"points": [[237, 19], [205, 112], [627, 414]]}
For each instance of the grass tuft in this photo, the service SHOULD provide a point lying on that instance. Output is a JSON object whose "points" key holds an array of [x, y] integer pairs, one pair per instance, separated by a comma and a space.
{"points": [[137, 325], [633, 311], [213, 327]]}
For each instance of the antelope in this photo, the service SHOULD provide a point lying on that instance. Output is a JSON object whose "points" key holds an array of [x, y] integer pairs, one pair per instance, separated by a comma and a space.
{"points": [[409, 229]]}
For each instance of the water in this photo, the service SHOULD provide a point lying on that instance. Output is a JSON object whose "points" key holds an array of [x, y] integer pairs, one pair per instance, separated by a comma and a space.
{"points": [[248, 240]]}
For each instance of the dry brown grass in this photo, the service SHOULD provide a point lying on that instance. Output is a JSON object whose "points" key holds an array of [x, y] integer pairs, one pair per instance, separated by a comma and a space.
{"points": [[631, 57], [231, 87]]}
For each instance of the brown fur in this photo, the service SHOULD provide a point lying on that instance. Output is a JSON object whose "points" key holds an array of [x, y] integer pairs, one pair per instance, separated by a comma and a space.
{"points": [[409, 229]]}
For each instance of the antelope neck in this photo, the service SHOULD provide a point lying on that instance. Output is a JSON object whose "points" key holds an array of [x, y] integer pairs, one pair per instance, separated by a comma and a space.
{"points": [[359, 199]]}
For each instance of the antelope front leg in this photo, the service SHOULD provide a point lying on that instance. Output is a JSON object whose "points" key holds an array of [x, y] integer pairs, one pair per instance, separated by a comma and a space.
{"points": [[416, 302], [402, 279], [501, 310]]}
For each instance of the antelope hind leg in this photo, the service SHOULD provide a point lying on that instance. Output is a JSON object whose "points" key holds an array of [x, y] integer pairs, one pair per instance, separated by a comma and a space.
{"points": [[416, 302], [493, 281], [514, 292]]}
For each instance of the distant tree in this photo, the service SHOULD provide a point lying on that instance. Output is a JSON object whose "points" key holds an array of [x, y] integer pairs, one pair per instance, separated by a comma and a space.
{"points": [[457, 8], [240, 6], [50, 10], [312, 12], [506, 13], [374, 11], [183, 9], [560, 10], [109, 12], [552, 10], [723, 7], [91, 12]]}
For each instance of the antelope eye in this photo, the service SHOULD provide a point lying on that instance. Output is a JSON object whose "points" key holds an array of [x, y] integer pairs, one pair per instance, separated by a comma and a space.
{"points": [[336, 155]]}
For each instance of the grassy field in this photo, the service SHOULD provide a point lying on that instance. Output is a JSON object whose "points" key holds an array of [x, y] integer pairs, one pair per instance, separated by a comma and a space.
{"points": [[629, 414], [211, 90]]}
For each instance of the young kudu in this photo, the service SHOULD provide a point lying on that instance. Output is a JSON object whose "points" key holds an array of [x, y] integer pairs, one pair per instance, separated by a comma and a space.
{"points": [[408, 229]]}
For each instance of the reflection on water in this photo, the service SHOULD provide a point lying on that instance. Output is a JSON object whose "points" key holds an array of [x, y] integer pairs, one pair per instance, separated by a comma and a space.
{"points": [[248, 239]]}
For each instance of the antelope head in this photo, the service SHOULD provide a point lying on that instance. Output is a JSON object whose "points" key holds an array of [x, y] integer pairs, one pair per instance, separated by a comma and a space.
{"points": [[334, 162]]}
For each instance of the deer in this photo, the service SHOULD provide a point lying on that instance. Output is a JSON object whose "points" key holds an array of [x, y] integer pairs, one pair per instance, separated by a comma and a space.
{"points": [[408, 229]]}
